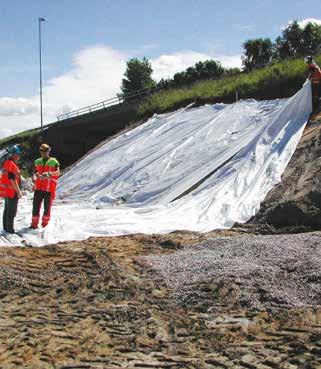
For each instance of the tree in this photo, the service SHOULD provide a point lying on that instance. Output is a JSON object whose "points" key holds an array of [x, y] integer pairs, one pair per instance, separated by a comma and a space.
{"points": [[190, 75], [179, 79], [138, 76], [232, 71], [209, 69], [297, 41], [257, 53], [312, 38], [164, 83], [291, 43]]}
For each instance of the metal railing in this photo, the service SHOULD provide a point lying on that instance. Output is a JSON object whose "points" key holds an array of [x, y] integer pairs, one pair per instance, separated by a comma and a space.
{"points": [[117, 100]]}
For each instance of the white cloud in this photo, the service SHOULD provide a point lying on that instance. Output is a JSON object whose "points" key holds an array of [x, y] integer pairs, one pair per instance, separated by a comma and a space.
{"points": [[302, 23], [165, 66], [17, 106], [95, 75], [231, 61], [5, 132]]}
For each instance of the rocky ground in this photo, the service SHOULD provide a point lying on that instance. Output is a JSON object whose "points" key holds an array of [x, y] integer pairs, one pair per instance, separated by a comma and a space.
{"points": [[104, 303]]}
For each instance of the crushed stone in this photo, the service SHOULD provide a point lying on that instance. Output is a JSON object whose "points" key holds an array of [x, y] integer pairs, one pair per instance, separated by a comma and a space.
{"points": [[267, 271]]}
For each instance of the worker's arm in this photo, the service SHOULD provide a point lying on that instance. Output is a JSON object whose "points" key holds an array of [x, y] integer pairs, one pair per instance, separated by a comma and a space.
{"points": [[35, 174], [16, 187], [310, 70], [56, 173], [14, 184]]}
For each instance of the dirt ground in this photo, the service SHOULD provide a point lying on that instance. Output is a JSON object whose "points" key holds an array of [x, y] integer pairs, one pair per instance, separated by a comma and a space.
{"points": [[105, 303], [295, 203], [99, 304]]}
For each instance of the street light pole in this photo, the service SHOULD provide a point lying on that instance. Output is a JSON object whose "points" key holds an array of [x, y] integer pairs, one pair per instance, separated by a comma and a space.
{"points": [[40, 70]]}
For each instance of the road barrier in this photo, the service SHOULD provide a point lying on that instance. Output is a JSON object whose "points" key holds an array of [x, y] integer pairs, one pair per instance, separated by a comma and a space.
{"points": [[117, 100]]}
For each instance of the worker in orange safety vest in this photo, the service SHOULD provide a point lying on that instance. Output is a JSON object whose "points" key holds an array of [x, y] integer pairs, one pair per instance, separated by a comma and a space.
{"points": [[10, 182], [46, 174], [315, 77]]}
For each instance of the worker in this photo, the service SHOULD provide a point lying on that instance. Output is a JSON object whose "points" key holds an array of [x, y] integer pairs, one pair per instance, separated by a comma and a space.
{"points": [[10, 182], [46, 174], [315, 77]]}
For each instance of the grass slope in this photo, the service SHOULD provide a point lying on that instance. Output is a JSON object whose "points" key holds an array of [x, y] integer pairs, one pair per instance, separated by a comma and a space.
{"points": [[73, 138], [279, 80]]}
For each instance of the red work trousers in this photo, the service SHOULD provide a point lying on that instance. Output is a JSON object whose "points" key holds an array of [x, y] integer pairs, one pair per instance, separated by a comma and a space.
{"points": [[38, 198]]}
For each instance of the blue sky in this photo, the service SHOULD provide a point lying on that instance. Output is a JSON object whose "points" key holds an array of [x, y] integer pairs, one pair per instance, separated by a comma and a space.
{"points": [[81, 37]]}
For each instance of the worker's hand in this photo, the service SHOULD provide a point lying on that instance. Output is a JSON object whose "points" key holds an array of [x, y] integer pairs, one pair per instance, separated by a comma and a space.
{"points": [[19, 194]]}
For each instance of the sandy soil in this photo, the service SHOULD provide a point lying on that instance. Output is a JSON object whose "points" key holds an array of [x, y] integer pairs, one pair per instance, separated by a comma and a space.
{"points": [[100, 304], [296, 201]]}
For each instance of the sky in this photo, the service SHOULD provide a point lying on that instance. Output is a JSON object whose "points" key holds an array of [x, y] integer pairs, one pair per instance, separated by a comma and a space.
{"points": [[85, 46]]}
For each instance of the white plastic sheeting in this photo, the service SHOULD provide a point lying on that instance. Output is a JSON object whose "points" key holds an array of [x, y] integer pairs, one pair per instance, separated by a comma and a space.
{"points": [[127, 185], [158, 161]]}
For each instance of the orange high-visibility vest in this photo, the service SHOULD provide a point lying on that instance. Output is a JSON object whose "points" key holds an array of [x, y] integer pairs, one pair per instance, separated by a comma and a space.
{"points": [[6, 187], [47, 184]]}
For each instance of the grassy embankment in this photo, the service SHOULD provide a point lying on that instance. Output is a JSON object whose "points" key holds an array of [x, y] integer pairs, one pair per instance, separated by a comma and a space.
{"points": [[19, 137], [279, 80]]}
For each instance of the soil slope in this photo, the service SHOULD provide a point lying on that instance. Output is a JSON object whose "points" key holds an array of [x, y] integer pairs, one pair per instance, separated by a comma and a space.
{"points": [[296, 202]]}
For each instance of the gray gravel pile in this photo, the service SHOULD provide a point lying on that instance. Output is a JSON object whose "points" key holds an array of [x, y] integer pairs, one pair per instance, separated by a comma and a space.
{"points": [[266, 271]]}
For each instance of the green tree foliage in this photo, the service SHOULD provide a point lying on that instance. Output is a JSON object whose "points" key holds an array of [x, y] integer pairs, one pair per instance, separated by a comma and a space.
{"points": [[277, 80], [312, 38], [232, 71], [209, 69], [138, 76], [164, 83], [297, 41], [203, 70], [257, 53], [291, 43]]}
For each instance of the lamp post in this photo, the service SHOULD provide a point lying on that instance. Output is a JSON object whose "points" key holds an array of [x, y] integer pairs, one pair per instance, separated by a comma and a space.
{"points": [[40, 70]]}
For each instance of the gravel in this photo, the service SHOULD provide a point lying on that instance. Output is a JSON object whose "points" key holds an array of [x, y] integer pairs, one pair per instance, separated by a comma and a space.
{"points": [[264, 271]]}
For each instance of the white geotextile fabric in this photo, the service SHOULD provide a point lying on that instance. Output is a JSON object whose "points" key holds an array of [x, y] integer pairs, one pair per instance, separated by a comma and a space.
{"points": [[159, 160], [127, 185]]}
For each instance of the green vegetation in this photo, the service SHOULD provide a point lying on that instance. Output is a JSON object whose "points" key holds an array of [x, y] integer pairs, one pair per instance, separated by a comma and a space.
{"points": [[203, 70], [137, 76], [270, 71], [19, 137], [257, 53], [278, 80], [295, 41]]}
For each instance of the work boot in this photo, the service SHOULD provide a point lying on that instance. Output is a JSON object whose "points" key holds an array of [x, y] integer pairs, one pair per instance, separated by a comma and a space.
{"points": [[45, 221], [34, 222]]}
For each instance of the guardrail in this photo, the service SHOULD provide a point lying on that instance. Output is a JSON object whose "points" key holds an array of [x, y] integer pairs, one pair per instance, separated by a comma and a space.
{"points": [[119, 99]]}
